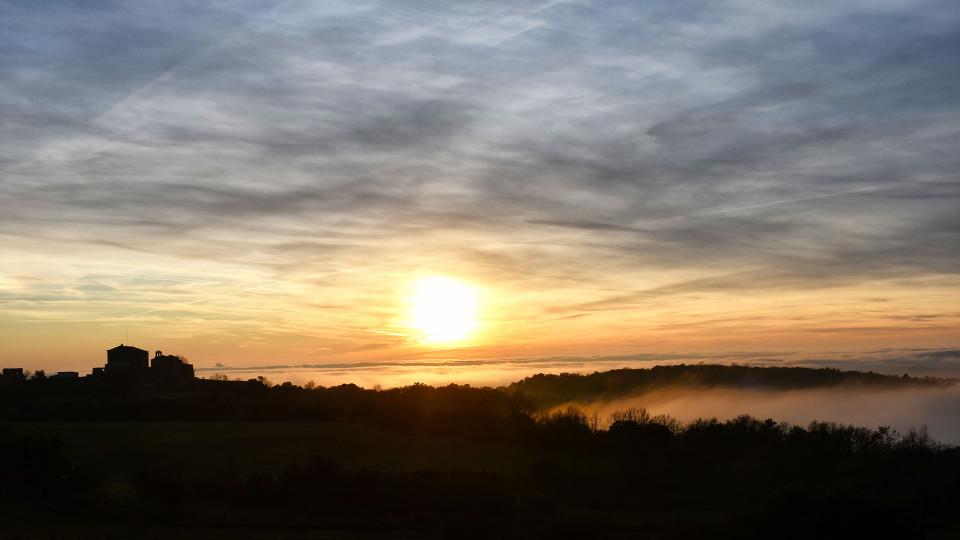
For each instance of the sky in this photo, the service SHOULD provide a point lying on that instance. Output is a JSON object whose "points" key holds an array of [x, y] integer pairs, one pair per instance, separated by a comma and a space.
{"points": [[260, 183]]}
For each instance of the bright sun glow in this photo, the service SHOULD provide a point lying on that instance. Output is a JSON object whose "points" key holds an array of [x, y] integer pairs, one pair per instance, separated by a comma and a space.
{"points": [[442, 309]]}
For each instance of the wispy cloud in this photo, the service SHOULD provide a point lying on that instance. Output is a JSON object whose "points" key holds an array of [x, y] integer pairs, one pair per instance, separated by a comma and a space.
{"points": [[572, 155]]}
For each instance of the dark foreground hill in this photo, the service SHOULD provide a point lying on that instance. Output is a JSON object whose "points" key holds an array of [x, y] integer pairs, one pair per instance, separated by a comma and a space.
{"points": [[217, 459]]}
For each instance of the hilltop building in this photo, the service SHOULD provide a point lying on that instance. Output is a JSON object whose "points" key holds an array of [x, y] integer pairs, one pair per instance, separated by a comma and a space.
{"points": [[133, 364], [13, 375], [169, 368], [126, 361], [126, 365]]}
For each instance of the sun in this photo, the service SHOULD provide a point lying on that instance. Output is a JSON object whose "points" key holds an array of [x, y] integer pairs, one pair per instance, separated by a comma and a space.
{"points": [[442, 309]]}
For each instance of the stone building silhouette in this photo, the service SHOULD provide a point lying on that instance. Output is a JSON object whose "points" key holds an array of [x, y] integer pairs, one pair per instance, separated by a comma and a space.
{"points": [[13, 375], [170, 368], [126, 361], [134, 365]]}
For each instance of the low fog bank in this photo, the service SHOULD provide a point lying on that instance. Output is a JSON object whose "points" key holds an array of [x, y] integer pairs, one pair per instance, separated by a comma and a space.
{"points": [[491, 373], [902, 409], [496, 372]]}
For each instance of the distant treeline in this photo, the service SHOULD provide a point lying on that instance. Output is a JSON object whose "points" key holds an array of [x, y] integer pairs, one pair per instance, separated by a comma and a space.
{"points": [[415, 407], [418, 404], [550, 390]]}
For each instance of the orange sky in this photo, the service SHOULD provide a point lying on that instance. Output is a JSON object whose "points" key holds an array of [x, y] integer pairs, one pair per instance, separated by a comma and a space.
{"points": [[365, 316]]}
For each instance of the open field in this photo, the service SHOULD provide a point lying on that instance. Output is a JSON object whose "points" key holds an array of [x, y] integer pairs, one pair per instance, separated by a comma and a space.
{"points": [[266, 446]]}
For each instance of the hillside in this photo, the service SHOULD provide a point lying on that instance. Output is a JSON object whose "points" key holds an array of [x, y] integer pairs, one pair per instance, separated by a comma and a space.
{"points": [[544, 390]]}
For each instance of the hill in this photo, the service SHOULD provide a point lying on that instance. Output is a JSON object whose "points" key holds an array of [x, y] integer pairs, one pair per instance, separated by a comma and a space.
{"points": [[228, 459], [544, 390]]}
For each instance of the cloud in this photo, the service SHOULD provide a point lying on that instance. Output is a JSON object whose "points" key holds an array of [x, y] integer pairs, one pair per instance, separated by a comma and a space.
{"points": [[679, 148]]}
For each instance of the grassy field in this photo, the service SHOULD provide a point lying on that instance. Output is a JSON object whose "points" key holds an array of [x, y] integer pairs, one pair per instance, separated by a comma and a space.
{"points": [[265, 447], [210, 449], [31, 523]]}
